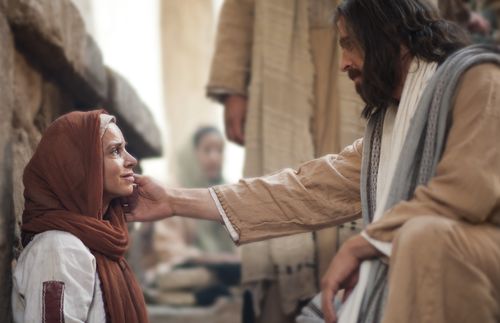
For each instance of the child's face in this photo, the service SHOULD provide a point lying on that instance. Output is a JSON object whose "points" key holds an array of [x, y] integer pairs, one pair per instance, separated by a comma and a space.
{"points": [[118, 164]]}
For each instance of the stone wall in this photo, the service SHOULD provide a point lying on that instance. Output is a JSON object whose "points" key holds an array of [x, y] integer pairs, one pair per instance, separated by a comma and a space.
{"points": [[49, 65]]}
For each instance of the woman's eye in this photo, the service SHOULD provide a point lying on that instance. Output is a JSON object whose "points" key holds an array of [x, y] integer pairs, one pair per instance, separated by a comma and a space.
{"points": [[115, 151]]}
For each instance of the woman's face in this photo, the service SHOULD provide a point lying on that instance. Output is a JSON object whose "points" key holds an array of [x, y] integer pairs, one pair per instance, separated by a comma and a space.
{"points": [[210, 155], [118, 164]]}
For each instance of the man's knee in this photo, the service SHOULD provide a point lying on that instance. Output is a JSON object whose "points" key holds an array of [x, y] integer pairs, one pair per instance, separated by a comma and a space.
{"points": [[423, 234]]}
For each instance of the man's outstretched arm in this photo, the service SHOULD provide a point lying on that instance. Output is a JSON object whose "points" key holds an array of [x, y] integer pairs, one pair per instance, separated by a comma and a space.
{"points": [[152, 201], [321, 193]]}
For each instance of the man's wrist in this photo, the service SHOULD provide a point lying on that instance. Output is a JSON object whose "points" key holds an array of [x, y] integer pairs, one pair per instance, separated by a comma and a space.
{"points": [[361, 248], [170, 202], [233, 96]]}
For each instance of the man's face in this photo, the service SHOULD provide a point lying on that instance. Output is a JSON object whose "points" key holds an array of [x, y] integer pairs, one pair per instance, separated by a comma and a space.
{"points": [[352, 57]]}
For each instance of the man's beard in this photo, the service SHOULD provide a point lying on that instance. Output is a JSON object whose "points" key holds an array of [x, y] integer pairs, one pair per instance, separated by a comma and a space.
{"points": [[353, 74], [369, 93]]}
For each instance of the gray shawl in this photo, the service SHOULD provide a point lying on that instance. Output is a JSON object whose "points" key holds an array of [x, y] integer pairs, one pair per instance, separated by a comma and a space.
{"points": [[424, 145]]}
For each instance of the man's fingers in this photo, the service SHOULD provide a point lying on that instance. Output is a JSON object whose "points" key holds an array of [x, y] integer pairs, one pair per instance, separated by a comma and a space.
{"points": [[237, 125], [234, 133], [129, 203], [241, 132], [346, 295], [239, 139], [327, 304], [230, 133], [139, 179], [227, 128]]}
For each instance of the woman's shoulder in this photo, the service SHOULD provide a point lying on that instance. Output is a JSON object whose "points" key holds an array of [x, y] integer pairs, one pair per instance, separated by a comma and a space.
{"points": [[54, 254], [58, 240], [55, 242]]}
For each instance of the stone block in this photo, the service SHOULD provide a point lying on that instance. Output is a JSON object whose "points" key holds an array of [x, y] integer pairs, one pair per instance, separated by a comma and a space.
{"points": [[185, 279], [53, 35], [27, 92], [54, 103], [133, 117], [7, 218], [23, 148]]}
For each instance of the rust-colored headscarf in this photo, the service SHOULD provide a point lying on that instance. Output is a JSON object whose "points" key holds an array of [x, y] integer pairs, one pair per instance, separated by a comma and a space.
{"points": [[64, 191]]}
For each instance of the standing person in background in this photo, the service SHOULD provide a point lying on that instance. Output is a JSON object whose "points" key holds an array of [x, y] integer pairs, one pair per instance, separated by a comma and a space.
{"points": [[276, 70]]}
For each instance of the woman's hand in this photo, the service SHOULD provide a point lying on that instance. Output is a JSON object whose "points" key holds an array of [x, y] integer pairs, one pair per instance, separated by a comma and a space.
{"points": [[343, 272], [149, 202]]}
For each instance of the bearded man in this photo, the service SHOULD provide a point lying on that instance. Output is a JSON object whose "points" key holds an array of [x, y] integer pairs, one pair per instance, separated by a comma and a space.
{"points": [[426, 176]]}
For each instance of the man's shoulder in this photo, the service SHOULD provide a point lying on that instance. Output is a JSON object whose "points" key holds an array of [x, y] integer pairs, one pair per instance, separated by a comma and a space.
{"points": [[478, 87], [481, 74]]}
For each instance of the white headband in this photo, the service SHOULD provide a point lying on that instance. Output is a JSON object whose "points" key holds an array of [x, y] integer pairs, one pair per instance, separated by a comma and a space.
{"points": [[106, 120]]}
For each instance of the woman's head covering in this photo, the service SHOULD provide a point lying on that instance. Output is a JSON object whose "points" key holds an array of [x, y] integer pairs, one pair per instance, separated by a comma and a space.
{"points": [[64, 191]]}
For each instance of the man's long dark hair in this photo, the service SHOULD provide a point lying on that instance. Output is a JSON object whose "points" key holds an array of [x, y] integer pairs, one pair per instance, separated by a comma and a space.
{"points": [[380, 27]]}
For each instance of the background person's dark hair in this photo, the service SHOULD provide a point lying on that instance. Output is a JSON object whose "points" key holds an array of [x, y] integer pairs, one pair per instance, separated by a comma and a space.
{"points": [[202, 132], [379, 27]]}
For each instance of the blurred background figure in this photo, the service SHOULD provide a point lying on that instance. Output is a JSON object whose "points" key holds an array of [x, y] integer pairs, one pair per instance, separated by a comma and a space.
{"points": [[208, 145], [485, 21], [203, 159], [479, 17], [193, 262]]}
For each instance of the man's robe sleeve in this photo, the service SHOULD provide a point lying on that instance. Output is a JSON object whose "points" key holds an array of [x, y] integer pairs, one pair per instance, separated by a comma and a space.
{"points": [[321, 193], [230, 71], [466, 186]]}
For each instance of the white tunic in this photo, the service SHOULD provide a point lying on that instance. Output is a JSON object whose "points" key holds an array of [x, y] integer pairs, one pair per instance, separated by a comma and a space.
{"points": [[61, 258]]}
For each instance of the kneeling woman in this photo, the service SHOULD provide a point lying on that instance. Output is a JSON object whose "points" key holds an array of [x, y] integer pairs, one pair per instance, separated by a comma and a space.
{"points": [[72, 268]]}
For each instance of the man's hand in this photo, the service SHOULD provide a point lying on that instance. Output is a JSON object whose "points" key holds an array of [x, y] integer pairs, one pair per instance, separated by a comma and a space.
{"points": [[149, 202], [235, 111], [343, 272]]}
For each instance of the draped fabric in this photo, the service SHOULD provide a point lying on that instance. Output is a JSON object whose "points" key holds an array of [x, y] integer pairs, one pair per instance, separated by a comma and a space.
{"points": [[64, 191]]}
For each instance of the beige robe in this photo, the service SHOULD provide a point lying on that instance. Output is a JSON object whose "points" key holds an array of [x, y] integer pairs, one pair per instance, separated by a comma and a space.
{"points": [[325, 192], [299, 108]]}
